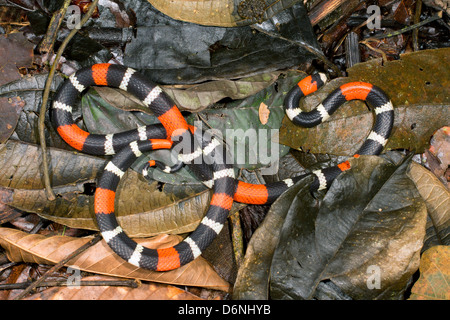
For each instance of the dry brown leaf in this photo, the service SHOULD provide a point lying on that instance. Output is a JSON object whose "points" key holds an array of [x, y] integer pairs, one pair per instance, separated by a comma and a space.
{"points": [[434, 281], [437, 200], [35, 248], [440, 145], [152, 291], [222, 13]]}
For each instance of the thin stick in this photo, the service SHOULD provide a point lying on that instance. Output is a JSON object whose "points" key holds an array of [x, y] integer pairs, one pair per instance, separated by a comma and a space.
{"points": [[237, 237], [59, 265], [43, 110], [415, 34], [64, 283], [322, 9], [437, 16], [49, 39]]}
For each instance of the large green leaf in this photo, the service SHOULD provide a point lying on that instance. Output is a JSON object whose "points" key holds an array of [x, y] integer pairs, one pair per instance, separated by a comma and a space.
{"points": [[252, 144]]}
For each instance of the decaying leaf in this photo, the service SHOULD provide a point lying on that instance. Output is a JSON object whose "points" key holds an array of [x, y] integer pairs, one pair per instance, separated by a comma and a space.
{"points": [[15, 52], [434, 281], [152, 291], [10, 109], [100, 259]]}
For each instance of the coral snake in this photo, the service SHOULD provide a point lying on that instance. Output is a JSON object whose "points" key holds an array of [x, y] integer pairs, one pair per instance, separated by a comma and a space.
{"points": [[174, 131]]}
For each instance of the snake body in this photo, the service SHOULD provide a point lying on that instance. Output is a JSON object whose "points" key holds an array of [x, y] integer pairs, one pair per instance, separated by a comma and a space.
{"points": [[174, 131]]}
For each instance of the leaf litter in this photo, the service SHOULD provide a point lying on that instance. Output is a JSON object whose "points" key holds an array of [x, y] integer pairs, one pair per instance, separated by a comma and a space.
{"points": [[386, 212]]}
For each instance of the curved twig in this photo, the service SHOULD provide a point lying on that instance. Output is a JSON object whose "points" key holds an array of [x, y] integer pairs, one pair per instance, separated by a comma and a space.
{"points": [[43, 110]]}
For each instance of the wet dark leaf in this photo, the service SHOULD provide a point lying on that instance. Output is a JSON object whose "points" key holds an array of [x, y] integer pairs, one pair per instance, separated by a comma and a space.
{"points": [[178, 52], [84, 49], [253, 277], [29, 90], [370, 224], [221, 256]]}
